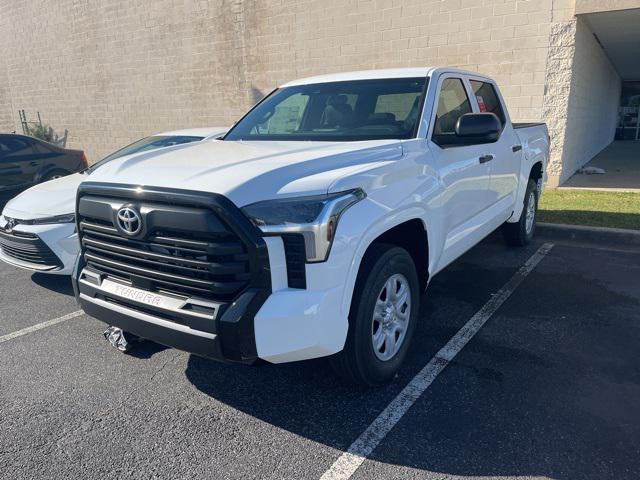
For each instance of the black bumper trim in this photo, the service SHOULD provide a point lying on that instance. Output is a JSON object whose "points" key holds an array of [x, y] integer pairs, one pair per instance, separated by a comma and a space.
{"points": [[235, 340], [202, 346]]}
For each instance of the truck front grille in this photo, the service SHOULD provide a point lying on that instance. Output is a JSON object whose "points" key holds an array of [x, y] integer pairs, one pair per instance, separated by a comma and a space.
{"points": [[210, 262]]}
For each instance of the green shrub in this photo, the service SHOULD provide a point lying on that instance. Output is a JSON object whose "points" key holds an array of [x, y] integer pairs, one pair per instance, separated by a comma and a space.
{"points": [[43, 132]]}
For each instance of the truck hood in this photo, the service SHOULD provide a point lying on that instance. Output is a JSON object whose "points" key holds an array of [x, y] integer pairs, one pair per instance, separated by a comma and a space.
{"points": [[55, 197], [247, 172]]}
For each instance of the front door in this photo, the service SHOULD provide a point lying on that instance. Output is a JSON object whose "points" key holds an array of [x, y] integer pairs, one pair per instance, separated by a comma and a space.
{"points": [[465, 178]]}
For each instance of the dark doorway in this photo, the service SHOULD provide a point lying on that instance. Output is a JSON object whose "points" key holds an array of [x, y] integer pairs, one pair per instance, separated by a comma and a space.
{"points": [[629, 112]]}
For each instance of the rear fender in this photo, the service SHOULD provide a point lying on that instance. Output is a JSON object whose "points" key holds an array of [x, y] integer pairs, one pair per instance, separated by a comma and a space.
{"points": [[535, 150]]}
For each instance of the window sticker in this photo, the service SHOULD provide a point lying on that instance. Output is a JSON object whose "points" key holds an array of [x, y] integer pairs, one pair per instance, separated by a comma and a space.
{"points": [[483, 107]]}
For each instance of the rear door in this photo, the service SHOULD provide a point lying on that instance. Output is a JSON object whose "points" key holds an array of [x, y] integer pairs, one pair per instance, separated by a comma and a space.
{"points": [[464, 177], [506, 153]]}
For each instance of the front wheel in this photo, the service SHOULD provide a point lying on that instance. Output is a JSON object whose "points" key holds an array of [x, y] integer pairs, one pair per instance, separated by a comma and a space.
{"points": [[384, 311], [520, 233]]}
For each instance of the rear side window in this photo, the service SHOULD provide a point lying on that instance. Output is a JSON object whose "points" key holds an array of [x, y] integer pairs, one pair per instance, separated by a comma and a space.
{"points": [[14, 145], [488, 100], [452, 104]]}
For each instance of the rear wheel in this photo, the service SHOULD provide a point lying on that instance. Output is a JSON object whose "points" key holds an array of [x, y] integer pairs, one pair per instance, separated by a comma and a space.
{"points": [[383, 315], [520, 233]]}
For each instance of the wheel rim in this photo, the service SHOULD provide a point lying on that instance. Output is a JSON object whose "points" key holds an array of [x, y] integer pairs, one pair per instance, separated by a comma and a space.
{"points": [[531, 212], [391, 317]]}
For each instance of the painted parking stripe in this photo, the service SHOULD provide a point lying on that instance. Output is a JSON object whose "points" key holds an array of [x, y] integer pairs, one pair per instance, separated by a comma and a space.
{"points": [[346, 465], [40, 326]]}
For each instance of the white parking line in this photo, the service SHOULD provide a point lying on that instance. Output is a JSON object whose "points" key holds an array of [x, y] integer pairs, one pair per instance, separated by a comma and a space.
{"points": [[40, 326], [346, 465]]}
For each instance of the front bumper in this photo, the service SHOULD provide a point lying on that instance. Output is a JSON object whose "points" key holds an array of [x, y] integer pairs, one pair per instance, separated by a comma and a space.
{"points": [[158, 304], [212, 338], [50, 248], [269, 319]]}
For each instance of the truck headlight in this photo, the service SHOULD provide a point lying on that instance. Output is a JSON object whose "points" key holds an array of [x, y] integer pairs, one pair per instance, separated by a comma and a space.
{"points": [[315, 218]]}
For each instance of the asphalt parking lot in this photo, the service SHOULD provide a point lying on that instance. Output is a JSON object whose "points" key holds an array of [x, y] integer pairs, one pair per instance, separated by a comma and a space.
{"points": [[548, 388]]}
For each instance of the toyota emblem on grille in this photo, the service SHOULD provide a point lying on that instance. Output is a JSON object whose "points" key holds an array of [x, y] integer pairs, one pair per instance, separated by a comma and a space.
{"points": [[12, 222], [129, 220]]}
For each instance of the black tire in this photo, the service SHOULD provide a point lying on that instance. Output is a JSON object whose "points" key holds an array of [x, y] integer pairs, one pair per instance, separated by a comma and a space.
{"points": [[516, 234], [57, 173], [357, 362]]}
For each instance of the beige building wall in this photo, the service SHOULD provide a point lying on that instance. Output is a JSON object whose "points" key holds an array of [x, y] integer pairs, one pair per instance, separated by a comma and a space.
{"points": [[592, 107], [112, 71]]}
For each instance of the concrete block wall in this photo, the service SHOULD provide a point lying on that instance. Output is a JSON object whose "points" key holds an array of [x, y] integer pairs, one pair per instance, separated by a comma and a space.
{"points": [[111, 71], [581, 101], [593, 105]]}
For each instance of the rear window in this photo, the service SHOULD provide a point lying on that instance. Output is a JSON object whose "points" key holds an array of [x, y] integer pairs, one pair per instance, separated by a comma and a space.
{"points": [[148, 143], [488, 100]]}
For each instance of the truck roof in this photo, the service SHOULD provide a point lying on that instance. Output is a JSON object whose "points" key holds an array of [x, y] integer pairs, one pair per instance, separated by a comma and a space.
{"points": [[377, 74]]}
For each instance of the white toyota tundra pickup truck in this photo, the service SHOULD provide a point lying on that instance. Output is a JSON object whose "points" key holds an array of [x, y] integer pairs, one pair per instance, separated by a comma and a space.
{"points": [[315, 225]]}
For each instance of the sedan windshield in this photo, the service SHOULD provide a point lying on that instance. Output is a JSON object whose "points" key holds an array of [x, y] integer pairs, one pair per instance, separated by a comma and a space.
{"points": [[337, 111], [148, 143]]}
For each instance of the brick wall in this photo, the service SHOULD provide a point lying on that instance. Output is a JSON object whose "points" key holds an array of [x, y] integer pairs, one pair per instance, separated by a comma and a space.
{"points": [[593, 104], [581, 101], [113, 71]]}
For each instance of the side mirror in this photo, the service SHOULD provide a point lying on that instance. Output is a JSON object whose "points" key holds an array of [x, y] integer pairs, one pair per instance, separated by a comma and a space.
{"points": [[476, 128]]}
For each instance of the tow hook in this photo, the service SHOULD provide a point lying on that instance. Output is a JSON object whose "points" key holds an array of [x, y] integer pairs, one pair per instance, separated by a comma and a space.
{"points": [[119, 339]]}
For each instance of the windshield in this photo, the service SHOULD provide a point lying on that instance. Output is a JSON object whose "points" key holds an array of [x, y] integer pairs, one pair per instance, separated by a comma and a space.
{"points": [[338, 111], [148, 143]]}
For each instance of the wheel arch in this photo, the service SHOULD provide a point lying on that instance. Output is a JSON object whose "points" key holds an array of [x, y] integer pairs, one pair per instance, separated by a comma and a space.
{"points": [[413, 237], [46, 170]]}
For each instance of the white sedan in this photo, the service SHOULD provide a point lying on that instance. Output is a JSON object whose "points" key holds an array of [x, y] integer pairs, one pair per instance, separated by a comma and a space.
{"points": [[37, 227]]}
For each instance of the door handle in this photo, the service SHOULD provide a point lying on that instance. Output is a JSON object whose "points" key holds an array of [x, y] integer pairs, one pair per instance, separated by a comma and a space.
{"points": [[486, 158], [516, 148]]}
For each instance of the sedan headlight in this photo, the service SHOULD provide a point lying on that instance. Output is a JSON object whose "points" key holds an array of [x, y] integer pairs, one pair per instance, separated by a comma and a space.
{"points": [[67, 218], [315, 218]]}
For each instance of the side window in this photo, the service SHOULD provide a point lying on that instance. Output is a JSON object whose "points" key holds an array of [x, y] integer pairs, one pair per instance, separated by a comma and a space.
{"points": [[4, 148], [287, 116], [40, 148], [488, 100], [452, 104], [16, 146]]}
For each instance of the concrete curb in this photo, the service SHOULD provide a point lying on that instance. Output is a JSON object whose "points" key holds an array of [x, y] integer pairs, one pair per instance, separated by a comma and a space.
{"points": [[581, 233]]}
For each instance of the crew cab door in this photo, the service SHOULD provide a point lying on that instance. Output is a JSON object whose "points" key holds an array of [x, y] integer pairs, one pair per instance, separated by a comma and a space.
{"points": [[506, 153], [465, 177]]}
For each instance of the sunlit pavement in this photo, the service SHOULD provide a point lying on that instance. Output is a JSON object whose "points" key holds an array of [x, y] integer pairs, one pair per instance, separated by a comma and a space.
{"points": [[548, 388]]}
